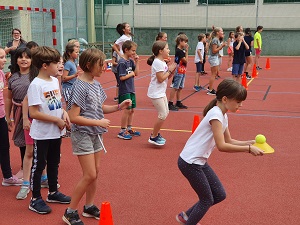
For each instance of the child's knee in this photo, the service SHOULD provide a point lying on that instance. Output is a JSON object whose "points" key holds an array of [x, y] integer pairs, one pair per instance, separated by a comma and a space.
{"points": [[163, 115]]}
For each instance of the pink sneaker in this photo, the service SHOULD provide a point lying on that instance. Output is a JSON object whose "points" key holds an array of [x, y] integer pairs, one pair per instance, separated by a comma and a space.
{"points": [[12, 181], [182, 218]]}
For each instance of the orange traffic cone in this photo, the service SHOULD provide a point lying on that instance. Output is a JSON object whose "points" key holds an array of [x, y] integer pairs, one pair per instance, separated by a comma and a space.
{"points": [[106, 215], [254, 72], [195, 123], [268, 64], [244, 81]]}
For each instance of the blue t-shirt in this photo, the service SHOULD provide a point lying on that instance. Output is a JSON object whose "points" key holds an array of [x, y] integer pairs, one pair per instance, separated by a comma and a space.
{"points": [[71, 67], [125, 67], [239, 55]]}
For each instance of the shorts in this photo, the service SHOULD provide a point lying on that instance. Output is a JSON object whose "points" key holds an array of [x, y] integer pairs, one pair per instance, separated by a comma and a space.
{"points": [[117, 79], [130, 96], [257, 51], [178, 80], [230, 50], [28, 139], [161, 105], [213, 60], [247, 54], [84, 143], [66, 92], [237, 69], [199, 67]]}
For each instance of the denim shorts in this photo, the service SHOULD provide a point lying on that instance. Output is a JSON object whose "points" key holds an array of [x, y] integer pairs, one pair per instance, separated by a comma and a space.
{"points": [[178, 80], [199, 67], [213, 60], [84, 143], [237, 69]]}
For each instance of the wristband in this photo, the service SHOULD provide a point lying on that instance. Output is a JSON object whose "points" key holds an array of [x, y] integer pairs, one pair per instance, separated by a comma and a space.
{"points": [[119, 108]]}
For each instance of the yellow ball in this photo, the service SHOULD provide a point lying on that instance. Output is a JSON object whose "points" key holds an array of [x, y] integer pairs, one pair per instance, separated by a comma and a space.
{"points": [[260, 139]]}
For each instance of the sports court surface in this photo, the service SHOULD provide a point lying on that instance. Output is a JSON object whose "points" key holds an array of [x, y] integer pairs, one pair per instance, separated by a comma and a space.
{"points": [[144, 185]]}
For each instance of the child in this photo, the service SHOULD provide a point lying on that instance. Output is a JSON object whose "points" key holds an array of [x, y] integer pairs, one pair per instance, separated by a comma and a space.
{"points": [[124, 30], [8, 178], [257, 46], [181, 58], [127, 70], [115, 71], [161, 36], [199, 57], [221, 54], [239, 47], [160, 73], [212, 131], [248, 53], [214, 47], [86, 111], [49, 118], [206, 47], [230, 41], [70, 69]]}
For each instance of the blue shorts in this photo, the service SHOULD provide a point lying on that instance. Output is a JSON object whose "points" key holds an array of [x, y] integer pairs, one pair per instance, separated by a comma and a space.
{"points": [[237, 69], [199, 67], [178, 80]]}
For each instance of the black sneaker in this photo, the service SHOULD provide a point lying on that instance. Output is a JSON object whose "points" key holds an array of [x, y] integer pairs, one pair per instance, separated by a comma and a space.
{"points": [[59, 198], [92, 211], [248, 77], [72, 218], [181, 106], [173, 108], [212, 92], [39, 206]]}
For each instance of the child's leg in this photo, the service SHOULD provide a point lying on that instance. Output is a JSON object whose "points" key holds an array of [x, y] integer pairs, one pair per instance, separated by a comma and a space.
{"points": [[214, 72], [4, 150], [27, 162], [53, 160], [161, 105], [125, 118]]}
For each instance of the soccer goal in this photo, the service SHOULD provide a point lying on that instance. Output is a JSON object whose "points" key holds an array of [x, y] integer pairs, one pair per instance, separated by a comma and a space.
{"points": [[36, 24]]}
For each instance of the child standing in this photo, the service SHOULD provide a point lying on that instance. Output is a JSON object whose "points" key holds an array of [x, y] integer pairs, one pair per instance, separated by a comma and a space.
{"points": [[212, 131], [114, 62], [199, 58], [127, 70], [239, 47], [181, 58], [160, 73], [8, 178], [230, 41], [257, 46], [70, 69], [124, 30], [248, 54], [86, 111], [49, 118]]}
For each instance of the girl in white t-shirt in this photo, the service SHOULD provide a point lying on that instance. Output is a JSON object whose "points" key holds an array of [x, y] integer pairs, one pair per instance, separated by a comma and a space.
{"points": [[212, 131], [124, 30], [160, 73]]}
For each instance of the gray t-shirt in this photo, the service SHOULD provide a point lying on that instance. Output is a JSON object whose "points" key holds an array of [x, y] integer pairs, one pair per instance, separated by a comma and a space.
{"points": [[217, 42], [89, 97]]}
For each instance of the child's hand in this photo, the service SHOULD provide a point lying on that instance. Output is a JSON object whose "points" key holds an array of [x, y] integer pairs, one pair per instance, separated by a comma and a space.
{"points": [[61, 124], [9, 124], [136, 58], [256, 151], [125, 104], [67, 120], [26, 124], [224, 44], [187, 46], [104, 123], [172, 67]]}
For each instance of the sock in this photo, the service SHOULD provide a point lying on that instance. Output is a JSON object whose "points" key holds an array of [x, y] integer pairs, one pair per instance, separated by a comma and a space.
{"points": [[88, 206], [129, 127], [44, 177], [170, 103], [123, 129], [246, 73], [69, 210], [25, 183]]}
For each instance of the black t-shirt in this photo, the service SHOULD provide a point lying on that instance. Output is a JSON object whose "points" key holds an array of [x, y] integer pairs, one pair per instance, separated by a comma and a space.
{"points": [[248, 40], [239, 55], [179, 54]]}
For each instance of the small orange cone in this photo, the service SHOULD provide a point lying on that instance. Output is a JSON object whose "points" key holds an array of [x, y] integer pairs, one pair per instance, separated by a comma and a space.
{"points": [[254, 72], [244, 81], [106, 215], [268, 64], [195, 123]]}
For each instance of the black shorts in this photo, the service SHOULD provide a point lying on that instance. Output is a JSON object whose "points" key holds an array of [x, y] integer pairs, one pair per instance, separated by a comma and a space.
{"points": [[247, 54]]}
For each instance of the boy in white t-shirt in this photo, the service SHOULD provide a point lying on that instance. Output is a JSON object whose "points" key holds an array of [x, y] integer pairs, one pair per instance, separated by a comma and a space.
{"points": [[49, 118], [199, 58]]}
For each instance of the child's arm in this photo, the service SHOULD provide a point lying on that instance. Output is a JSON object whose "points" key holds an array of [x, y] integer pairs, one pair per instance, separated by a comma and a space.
{"points": [[216, 49], [137, 65], [245, 43], [113, 108], [25, 110], [161, 76], [66, 118], [257, 42], [36, 114], [237, 47], [116, 49], [8, 106], [74, 114], [114, 61], [199, 54], [127, 76], [224, 146], [65, 77]]}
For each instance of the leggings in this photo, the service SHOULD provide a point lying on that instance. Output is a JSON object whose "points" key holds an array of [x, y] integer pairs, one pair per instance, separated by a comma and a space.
{"points": [[45, 152], [4, 149], [206, 184]]}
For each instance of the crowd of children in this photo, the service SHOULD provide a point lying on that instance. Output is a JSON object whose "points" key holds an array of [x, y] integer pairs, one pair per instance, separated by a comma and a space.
{"points": [[40, 121]]}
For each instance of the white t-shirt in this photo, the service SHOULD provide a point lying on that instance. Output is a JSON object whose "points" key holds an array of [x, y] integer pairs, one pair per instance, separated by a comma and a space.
{"points": [[201, 143], [121, 40], [200, 47], [157, 89], [46, 95], [221, 53]]}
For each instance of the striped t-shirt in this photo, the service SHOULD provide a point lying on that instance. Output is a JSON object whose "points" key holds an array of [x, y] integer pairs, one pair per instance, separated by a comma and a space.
{"points": [[89, 97]]}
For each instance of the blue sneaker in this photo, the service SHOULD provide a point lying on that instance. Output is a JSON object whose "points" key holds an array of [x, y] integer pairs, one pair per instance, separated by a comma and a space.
{"points": [[39, 206], [161, 137], [197, 88], [157, 140], [132, 132], [124, 135], [58, 197]]}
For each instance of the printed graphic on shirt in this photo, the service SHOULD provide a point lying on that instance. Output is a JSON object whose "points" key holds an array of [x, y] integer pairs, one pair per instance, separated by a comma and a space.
{"points": [[129, 70], [53, 99], [1, 85]]}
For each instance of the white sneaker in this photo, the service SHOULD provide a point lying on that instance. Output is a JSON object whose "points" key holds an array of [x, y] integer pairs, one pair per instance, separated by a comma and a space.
{"points": [[23, 192]]}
